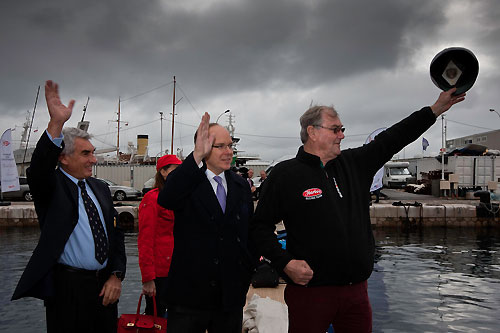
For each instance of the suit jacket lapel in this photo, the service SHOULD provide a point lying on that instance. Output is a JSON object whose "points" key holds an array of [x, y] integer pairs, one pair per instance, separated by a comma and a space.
{"points": [[233, 193], [207, 197], [71, 190], [101, 196]]}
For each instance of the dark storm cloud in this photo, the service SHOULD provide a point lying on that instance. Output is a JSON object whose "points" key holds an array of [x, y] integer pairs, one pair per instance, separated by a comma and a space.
{"points": [[111, 48], [488, 16]]}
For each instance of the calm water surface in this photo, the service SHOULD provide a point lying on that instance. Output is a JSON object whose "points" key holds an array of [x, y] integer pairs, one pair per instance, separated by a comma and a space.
{"points": [[434, 280]]}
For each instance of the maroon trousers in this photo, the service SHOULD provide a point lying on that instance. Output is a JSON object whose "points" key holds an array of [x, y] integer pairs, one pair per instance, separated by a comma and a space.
{"points": [[313, 309]]}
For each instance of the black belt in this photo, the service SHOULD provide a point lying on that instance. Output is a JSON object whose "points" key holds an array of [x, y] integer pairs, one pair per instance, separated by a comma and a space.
{"points": [[80, 271]]}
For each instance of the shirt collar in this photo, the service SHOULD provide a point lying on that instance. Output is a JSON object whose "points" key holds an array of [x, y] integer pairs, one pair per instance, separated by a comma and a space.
{"points": [[308, 158], [312, 159], [211, 175], [73, 179]]}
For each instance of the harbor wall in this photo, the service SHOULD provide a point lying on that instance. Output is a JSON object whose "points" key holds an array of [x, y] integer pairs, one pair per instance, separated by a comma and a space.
{"points": [[381, 215]]}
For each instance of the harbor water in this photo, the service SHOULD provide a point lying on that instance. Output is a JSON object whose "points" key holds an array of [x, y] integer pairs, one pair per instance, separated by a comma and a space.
{"points": [[427, 280]]}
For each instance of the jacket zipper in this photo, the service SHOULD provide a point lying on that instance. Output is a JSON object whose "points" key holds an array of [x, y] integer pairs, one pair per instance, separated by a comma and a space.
{"points": [[336, 185]]}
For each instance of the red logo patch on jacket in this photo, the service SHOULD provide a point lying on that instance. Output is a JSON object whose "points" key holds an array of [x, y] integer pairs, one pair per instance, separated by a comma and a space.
{"points": [[312, 193]]}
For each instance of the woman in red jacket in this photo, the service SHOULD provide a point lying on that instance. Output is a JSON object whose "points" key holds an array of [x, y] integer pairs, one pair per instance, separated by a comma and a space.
{"points": [[156, 239]]}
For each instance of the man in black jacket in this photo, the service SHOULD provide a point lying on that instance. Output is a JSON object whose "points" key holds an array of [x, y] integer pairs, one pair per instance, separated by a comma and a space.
{"points": [[330, 245], [210, 271], [79, 262]]}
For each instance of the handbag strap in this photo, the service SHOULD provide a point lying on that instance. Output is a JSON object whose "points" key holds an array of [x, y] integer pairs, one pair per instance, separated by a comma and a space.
{"points": [[139, 308]]}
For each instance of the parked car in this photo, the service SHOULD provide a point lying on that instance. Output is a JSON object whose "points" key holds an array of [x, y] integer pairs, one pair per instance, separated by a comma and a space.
{"points": [[23, 193], [148, 185], [119, 192]]}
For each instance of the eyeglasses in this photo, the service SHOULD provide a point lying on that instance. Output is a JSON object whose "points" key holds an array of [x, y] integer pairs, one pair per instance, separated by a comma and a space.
{"points": [[335, 129], [221, 146]]}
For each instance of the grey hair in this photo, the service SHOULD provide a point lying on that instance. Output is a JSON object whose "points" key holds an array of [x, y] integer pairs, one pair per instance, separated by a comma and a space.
{"points": [[70, 134], [313, 117]]}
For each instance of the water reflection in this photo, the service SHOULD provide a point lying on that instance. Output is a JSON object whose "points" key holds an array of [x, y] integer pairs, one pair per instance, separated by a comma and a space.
{"points": [[433, 280], [438, 280]]}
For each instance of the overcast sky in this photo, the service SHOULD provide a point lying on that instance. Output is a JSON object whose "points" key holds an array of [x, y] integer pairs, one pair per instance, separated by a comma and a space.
{"points": [[265, 60]]}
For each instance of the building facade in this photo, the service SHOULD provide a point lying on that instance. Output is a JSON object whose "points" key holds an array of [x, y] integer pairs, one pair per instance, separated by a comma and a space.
{"points": [[489, 139]]}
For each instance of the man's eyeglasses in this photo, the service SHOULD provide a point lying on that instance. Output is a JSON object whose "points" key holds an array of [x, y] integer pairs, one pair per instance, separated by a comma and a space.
{"points": [[335, 129], [224, 146]]}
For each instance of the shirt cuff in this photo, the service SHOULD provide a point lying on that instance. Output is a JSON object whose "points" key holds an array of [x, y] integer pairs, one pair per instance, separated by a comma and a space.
{"points": [[57, 141]]}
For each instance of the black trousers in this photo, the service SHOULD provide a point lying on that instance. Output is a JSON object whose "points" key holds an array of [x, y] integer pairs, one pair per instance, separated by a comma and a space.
{"points": [[77, 306], [194, 321], [161, 298]]}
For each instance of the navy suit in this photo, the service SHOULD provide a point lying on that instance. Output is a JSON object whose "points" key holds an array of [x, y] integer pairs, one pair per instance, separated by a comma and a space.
{"points": [[211, 264], [56, 204]]}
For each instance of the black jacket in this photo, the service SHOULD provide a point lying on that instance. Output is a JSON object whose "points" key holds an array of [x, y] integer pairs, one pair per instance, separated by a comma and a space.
{"points": [[211, 265], [56, 205], [328, 228]]}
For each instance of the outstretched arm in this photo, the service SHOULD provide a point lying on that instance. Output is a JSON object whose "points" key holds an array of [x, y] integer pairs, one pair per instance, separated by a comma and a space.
{"points": [[59, 113]]}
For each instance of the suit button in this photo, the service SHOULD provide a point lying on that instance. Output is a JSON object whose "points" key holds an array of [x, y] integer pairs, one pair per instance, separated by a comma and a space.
{"points": [[237, 216], [212, 218], [213, 283], [216, 261]]}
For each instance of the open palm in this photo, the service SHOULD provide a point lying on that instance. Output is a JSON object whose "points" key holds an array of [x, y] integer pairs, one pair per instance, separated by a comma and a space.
{"points": [[57, 110]]}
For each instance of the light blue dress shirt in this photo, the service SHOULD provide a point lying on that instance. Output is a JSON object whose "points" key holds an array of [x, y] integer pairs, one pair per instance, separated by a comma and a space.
{"points": [[79, 249]]}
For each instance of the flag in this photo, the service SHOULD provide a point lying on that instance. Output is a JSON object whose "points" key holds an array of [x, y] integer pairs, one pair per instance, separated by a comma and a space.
{"points": [[8, 169], [425, 143]]}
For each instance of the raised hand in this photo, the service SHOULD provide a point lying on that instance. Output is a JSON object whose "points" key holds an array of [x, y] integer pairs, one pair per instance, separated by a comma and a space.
{"points": [[59, 113], [446, 100], [204, 141]]}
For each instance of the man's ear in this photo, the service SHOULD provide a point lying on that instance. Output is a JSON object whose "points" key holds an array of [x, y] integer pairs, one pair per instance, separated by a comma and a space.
{"points": [[311, 132], [62, 159]]}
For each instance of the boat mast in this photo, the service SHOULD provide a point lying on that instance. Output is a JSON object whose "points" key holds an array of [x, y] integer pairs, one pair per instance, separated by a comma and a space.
{"points": [[29, 132], [118, 135], [85, 108], [161, 133], [173, 116]]}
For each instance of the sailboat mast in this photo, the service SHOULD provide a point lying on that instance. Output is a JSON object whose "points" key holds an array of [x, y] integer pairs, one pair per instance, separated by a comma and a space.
{"points": [[85, 108], [29, 132], [118, 135], [173, 116]]}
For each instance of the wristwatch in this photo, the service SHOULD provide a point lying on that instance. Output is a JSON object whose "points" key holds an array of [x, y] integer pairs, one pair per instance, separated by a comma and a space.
{"points": [[119, 275]]}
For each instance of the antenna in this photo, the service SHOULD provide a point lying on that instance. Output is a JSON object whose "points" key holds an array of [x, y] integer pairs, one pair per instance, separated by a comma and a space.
{"points": [[85, 108], [83, 124]]}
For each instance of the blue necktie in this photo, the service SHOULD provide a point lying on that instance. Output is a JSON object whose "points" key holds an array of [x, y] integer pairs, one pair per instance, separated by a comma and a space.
{"points": [[100, 240], [221, 193]]}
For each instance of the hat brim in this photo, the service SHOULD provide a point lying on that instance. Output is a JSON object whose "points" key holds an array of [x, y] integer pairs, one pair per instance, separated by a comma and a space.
{"points": [[460, 60]]}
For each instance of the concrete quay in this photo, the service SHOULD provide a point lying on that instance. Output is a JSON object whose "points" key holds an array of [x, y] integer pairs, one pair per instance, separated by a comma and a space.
{"points": [[430, 215], [436, 212], [22, 214]]}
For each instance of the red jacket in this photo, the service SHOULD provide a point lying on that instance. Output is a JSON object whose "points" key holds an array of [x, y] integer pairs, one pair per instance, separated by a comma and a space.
{"points": [[156, 239]]}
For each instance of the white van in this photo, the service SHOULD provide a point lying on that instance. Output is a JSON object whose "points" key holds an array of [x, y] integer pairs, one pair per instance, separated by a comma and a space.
{"points": [[396, 174]]}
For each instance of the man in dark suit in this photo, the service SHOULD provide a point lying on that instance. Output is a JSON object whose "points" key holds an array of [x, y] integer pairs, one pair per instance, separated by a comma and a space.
{"points": [[211, 265], [79, 262]]}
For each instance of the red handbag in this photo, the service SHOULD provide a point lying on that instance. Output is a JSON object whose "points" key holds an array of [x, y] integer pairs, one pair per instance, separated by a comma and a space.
{"points": [[141, 323]]}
